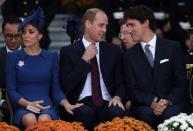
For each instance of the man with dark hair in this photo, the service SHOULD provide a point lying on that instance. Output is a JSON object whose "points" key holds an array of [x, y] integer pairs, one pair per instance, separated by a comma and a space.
{"points": [[189, 68], [156, 78], [91, 73], [12, 43], [11, 36]]}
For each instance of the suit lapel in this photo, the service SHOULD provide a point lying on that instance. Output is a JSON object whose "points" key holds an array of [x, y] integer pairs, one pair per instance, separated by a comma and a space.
{"points": [[140, 62], [143, 60], [80, 47], [158, 54], [103, 56]]}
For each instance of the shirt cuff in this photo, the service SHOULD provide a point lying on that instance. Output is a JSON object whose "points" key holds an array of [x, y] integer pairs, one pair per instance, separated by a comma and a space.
{"points": [[1, 103]]}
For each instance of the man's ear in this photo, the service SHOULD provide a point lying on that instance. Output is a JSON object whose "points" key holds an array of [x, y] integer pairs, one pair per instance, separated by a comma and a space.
{"points": [[146, 23], [87, 24]]}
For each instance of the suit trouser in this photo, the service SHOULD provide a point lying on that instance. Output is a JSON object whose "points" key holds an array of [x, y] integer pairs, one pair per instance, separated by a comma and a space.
{"points": [[190, 108], [6, 109], [90, 115], [146, 114]]}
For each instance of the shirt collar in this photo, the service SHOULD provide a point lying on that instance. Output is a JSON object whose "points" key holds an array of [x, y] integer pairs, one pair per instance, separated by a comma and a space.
{"points": [[8, 50], [87, 43], [152, 42]]}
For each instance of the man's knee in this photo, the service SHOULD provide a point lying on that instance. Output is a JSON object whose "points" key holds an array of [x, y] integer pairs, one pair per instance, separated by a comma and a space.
{"points": [[86, 115], [84, 111], [114, 111], [143, 113]]}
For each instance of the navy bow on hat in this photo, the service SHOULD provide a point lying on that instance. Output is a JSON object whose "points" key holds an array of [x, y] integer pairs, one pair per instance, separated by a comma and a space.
{"points": [[36, 19]]}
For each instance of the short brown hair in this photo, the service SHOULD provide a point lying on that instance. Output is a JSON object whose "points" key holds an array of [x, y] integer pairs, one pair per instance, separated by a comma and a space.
{"points": [[90, 14]]}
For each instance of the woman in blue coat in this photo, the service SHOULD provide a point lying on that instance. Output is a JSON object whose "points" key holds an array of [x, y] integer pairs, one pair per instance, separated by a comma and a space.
{"points": [[32, 77]]}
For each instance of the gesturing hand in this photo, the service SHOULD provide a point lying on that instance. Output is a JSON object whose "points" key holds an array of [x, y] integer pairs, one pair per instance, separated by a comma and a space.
{"points": [[90, 52], [69, 108], [38, 105]]}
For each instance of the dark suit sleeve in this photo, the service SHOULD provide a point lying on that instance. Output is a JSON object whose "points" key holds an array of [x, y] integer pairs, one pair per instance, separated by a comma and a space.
{"points": [[2, 68], [72, 75], [180, 82], [56, 88], [132, 89], [119, 83]]}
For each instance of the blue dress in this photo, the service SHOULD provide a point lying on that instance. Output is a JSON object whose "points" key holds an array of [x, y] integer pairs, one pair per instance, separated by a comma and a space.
{"points": [[33, 78]]}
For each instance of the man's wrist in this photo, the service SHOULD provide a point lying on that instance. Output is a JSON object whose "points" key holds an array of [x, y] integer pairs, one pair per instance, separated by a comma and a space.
{"points": [[169, 102], [85, 59], [153, 104], [1, 103]]}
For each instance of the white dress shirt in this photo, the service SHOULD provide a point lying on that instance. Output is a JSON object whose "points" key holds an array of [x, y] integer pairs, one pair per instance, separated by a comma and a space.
{"points": [[87, 89], [152, 46]]}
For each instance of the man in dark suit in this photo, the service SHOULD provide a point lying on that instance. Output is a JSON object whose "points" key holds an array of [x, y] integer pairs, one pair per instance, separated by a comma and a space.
{"points": [[13, 42], [23, 8], [189, 68], [154, 70], [98, 85]]}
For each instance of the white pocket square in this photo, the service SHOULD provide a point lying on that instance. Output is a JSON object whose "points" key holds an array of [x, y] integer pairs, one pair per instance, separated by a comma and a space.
{"points": [[163, 61]]}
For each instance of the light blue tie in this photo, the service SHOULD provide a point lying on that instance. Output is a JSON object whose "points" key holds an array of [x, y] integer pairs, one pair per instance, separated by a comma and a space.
{"points": [[149, 55]]}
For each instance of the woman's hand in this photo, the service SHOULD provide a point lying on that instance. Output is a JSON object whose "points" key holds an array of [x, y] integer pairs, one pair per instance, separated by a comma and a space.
{"points": [[69, 108], [37, 104]]}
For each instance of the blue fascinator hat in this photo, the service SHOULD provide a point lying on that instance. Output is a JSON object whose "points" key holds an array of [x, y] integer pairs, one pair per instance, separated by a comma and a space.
{"points": [[74, 28], [36, 19]]}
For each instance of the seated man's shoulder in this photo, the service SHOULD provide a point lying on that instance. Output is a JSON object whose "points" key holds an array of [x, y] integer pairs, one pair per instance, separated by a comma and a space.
{"points": [[111, 47], [169, 43], [134, 49], [69, 48]]}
